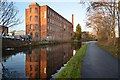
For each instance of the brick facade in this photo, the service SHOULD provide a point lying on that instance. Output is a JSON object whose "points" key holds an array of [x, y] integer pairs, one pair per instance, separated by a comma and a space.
{"points": [[51, 25]]}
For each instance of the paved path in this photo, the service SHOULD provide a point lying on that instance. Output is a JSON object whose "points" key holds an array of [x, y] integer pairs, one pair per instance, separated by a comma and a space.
{"points": [[98, 63]]}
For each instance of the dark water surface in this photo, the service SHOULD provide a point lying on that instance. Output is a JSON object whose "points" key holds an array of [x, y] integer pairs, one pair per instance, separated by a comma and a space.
{"points": [[40, 62]]}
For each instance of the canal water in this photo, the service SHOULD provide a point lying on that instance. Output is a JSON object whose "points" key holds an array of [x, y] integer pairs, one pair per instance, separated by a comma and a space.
{"points": [[38, 62]]}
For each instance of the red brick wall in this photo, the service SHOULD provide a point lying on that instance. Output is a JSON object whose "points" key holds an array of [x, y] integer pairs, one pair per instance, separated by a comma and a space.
{"points": [[33, 21], [53, 27], [57, 26], [43, 22]]}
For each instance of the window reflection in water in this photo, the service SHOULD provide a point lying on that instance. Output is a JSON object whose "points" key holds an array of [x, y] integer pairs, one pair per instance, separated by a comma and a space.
{"points": [[45, 61]]}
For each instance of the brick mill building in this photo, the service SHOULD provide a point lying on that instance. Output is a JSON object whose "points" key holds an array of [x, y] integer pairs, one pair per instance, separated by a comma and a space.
{"points": [[43, 23]]}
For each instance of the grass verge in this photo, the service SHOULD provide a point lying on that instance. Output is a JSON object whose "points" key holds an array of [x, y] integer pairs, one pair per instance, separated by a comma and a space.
{"points": [[73, 68], [113, 50]]}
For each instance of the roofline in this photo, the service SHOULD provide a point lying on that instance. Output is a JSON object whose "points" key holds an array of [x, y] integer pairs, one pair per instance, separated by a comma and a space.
{"points": [[34, 3], [58, 14], [54, 11]]}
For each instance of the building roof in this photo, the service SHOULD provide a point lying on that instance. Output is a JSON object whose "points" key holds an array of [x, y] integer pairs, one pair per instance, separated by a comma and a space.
{"points": [[34, 3]]}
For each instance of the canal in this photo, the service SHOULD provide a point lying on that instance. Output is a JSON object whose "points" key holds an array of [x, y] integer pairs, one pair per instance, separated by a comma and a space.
{"points": [[38, 62]]}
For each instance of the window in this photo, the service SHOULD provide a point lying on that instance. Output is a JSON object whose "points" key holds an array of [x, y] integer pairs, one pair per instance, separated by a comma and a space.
{"points": [[36, 34], [45, 14], [36, 67], [48, 20], [64, 27], [49, 27], [30, 67], [36, 10], [31, 35], [37, 51], [30, 10], [36, 18], [53, 14], [31, 26], [36, 25], [36, 59], [52, 21], [30, 18], [44, 70], [48, 12]]}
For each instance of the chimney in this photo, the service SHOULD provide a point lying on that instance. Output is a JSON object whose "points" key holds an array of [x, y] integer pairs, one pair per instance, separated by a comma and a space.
{"points": [[73, 20]]}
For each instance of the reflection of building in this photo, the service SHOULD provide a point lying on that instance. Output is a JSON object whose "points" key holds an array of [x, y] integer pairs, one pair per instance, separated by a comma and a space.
{"points": [[36, 64], [57, 56], [3, 29], [43, 23], [43, 62], [32, 64]]}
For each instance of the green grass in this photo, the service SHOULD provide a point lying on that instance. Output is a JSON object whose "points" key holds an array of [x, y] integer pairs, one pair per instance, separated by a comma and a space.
{"points": [[73, 68]]}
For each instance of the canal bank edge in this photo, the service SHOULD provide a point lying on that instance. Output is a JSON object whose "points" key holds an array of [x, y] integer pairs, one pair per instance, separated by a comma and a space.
{"points": [[73, 68], [7, 43]]}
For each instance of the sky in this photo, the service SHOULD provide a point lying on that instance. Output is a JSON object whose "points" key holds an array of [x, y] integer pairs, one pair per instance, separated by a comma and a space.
{"points": [[64, 8]]}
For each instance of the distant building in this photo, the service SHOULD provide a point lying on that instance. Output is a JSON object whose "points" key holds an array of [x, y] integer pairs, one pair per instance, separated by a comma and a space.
{"points": [[85, 36], [17, 33], [88, 36], [4, 30], [43, 23], [20, 32]]}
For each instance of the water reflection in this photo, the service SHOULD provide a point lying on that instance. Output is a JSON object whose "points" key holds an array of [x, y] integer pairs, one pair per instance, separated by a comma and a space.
{"points": [[36, 63], [41, 62]]}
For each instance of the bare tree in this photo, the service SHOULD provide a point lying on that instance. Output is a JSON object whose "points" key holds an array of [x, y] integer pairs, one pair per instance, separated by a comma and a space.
{"points": [[100, 23], [8, 14], [110, 8]]}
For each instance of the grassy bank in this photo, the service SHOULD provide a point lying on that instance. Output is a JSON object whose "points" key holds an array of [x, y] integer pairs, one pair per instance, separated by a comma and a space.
{"points": [[113, 50], [73, 68]]}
